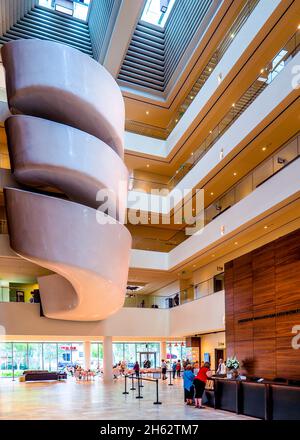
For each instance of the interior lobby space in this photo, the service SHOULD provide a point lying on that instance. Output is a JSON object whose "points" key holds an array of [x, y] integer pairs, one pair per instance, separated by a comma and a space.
{"points": [[150, 210]]}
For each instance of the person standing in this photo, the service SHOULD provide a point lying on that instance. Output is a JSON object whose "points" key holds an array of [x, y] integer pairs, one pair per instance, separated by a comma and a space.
{"points": [[188, 383], [174, 369], [199, 383], [221, 370], [178, 368], [163, 369], [136, 369]]}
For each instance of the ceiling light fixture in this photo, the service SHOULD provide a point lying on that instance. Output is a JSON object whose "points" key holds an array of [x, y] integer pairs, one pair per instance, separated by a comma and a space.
{"points": [[234, 173], [264, 148], [148, 165], [211, 193], [147, 112], [232, 35]]}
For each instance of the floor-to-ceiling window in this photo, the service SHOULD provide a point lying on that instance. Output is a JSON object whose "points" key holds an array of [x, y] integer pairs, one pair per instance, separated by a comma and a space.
{"points": [[96, 355], [6, 361], [141, 351], [176, 350], [35, 356], [50, 352], [15, 357], [20, 358]]}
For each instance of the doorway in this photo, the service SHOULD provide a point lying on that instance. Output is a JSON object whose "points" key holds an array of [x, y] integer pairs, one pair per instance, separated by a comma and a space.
{"points": [[219, 354], [148, 356]]}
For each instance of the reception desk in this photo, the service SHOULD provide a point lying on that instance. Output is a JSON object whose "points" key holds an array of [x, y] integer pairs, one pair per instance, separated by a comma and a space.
{"points": [[265, 400]]}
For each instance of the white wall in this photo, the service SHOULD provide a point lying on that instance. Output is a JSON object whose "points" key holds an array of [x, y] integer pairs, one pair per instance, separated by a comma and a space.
{"points": [[200, 316], [248, 210]]}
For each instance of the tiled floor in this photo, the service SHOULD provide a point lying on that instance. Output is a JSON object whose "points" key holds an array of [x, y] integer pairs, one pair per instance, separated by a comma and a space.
{"points": [[94, 400]]}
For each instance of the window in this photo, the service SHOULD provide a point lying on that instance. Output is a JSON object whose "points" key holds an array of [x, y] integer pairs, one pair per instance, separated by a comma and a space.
{"points": [[6, 359], [35, 356], [157, 11], [50, 356], [20, 358], [96, 355], [76, 8]]}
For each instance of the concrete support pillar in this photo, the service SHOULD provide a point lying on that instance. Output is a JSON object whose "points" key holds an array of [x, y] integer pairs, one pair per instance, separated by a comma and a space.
{"points": [[87, 354], [107, 359], [163, 350]]}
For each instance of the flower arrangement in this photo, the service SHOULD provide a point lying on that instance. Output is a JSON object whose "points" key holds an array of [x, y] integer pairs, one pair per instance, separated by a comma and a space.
{"points": [[232, 363]]}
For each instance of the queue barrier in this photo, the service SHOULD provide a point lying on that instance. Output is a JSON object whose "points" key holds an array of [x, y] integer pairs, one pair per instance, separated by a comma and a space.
{"points": [[140, 385]]}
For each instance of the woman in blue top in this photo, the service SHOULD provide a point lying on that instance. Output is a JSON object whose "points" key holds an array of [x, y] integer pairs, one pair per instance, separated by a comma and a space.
{"points": [[188, 383]]}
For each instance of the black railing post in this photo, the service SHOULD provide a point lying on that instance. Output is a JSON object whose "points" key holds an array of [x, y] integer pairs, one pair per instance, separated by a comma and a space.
{"points": [[157, 401], [132, 383], [125, 392], [139, 396], [140, 383], [170, 383]]}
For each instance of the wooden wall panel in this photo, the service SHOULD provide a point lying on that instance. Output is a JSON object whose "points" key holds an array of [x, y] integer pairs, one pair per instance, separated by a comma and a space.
{"points": [[263, 288]]}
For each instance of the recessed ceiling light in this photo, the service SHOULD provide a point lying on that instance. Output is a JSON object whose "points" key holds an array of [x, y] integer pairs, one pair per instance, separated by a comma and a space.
{"points": [[191, 97], [233, 105], [265, 227], [298, 26], [176, 120], [211, 193], [264, 148], [177, 171], [209, 69], [234, 173], [147, 112], [235, 242], [232, 35], [210, 131], [147, 165], [194, 265], [262, 70]]}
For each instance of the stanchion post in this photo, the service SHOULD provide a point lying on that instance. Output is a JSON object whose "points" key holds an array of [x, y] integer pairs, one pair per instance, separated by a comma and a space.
{"points": [[139, 396], [157, 401], [132, 383], [170, 383], [125, 392], [141, 381]]}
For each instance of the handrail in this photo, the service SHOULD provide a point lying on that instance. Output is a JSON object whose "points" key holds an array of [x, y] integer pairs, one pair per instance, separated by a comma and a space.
{"points": [[265, 77], [191, 293], [210, 212], [161, 133]]}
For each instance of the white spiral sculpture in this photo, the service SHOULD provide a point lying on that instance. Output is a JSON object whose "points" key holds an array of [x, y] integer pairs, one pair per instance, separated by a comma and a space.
{"points": [[65, 143]]}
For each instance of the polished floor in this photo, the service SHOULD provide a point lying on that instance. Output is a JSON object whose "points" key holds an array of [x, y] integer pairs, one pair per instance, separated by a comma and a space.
{"points": [[93, 400]]}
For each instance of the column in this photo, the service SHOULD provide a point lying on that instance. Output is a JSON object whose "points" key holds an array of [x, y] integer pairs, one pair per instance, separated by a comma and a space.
{"points": [[107, 359], [87, 354], [163, 350]]}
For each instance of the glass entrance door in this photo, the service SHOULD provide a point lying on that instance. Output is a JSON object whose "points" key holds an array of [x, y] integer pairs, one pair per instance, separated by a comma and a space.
{"points": [[149, 356]]}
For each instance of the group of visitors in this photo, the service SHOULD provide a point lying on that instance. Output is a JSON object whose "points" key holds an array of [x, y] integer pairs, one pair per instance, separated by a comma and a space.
{"points": [[194, 384]]}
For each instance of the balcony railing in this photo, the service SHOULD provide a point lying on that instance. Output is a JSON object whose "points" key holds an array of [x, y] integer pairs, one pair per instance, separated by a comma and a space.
{"points": [[263, 80], [163, 133], [281, 158], [192, 293]]}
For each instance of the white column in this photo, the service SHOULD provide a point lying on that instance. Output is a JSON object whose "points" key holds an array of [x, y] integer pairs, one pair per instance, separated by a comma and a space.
{"points": [[87, 354], [107, 359], [163, 350]]}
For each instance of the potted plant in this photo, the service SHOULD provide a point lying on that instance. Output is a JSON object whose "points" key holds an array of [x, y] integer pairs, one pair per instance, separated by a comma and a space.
{"points": [[232, 365]]}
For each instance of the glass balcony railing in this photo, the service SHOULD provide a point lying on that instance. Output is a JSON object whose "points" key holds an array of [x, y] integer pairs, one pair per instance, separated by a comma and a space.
{"points": [[265, 77], [281, 158], [184, 296], [163, 133]]}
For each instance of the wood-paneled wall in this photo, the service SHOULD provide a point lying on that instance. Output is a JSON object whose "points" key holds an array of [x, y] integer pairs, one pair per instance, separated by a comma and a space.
{"points": [[263, 282]]}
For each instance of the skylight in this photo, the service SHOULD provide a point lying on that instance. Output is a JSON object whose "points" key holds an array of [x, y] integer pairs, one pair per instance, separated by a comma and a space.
{"points": [[157, 11], [76, 8]]}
